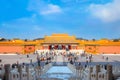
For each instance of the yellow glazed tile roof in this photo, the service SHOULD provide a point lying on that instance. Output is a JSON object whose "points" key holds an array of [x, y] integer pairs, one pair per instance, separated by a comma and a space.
{"points": [[60, 38]]}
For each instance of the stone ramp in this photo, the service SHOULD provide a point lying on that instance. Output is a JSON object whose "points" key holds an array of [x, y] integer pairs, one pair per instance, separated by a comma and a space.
{"points": [[59, 58], [49, 79], [57, 73], [57, 76], [59, 63]]}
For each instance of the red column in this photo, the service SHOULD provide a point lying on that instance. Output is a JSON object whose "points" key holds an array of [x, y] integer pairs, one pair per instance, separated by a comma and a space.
{"points": [[69, 46]]}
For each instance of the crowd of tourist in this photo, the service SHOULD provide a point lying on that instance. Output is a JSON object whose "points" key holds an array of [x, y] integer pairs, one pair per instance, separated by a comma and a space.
{"points": [[68, 56]]}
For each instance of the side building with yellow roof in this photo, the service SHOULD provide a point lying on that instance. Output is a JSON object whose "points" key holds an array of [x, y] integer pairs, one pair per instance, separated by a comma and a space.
{"points": [[60, 42]]}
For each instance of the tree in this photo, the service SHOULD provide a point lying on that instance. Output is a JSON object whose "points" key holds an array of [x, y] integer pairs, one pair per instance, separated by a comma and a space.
{"points": [[93, 40], [115, 40], [25, 40], [2, 39]]}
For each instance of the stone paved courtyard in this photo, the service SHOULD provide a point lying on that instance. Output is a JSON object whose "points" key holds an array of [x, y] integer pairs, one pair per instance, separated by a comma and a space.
{"points": [[14, 58], [59, 70], [23, 58]]}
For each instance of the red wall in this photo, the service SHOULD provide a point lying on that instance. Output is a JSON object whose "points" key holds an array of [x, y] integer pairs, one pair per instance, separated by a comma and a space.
{"points": [[11, 49], [103, 49], [108, 49], [98, 49]]}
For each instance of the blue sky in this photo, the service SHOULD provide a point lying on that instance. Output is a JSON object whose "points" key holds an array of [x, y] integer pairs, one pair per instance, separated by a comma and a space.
{"points": [[83, 18]]}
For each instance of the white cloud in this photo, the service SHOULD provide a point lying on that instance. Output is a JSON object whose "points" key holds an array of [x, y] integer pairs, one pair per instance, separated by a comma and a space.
{"points": [[51, 9], [109, 12], [43, 8]]}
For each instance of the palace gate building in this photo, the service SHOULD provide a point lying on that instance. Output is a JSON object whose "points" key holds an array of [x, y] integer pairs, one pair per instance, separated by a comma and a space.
{"points": [[60, 42]]}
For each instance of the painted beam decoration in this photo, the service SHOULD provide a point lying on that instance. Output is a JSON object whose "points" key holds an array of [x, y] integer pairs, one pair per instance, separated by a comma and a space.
{"points": [[29, 48], [90, 49]]}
